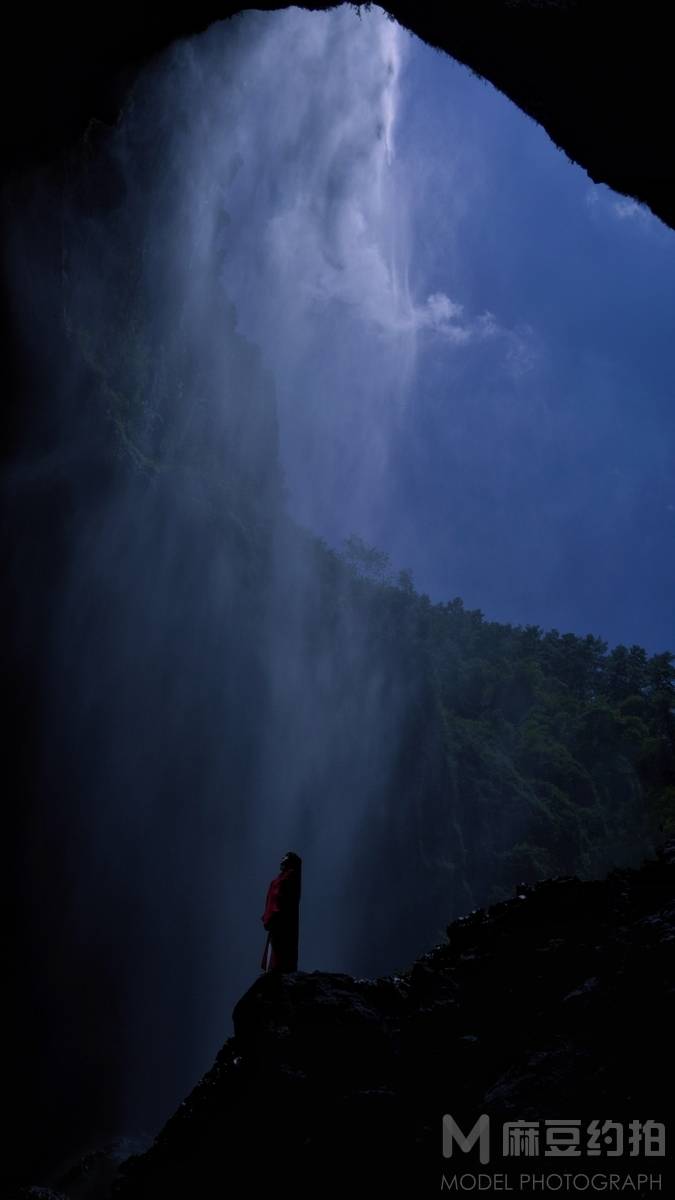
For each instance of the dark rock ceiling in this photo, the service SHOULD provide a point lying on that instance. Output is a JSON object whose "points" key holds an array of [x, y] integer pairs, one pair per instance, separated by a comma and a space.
{"points": [[598, 75]]}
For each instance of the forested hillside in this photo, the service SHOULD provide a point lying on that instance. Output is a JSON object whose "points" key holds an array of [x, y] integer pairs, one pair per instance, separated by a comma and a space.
{"points": [[558, 753]]}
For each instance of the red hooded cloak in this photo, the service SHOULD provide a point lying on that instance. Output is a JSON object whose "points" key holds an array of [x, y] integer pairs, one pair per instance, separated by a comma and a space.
{"points": [[281, 919]]}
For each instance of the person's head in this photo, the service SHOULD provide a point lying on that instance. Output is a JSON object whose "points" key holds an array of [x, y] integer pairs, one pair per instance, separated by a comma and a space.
{"points": [[291, 861]]}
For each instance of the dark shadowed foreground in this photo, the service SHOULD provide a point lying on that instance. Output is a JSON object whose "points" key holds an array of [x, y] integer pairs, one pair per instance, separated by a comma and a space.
{"points": [[556, 1004]]}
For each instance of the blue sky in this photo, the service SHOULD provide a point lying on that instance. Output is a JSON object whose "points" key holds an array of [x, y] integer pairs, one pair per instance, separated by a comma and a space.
{"points": [[472, 344], [547, 497]]}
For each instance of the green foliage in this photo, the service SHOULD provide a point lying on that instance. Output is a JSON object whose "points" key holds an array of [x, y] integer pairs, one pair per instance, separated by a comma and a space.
{"points": [[558, 754], [363, 559]]}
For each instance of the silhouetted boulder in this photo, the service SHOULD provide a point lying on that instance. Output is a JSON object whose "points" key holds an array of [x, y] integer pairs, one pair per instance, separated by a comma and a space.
{"points": [[555, 1004]]}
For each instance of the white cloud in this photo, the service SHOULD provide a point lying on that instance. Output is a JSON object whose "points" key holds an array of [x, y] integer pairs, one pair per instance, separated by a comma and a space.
{"points": [[601, 202], [628, 210], [523, 353], [446, 318], [442, 309]]}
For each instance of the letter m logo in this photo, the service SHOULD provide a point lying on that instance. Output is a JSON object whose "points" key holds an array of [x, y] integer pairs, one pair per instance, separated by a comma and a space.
{"points": [[480, 1133]]}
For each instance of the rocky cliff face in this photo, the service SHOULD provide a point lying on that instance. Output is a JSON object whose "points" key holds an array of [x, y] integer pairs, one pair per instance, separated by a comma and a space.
{"points": [[554, 1005]]}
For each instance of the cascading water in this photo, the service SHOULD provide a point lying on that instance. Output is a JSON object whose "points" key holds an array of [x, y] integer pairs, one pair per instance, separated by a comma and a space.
{"points": [[213, 693]]}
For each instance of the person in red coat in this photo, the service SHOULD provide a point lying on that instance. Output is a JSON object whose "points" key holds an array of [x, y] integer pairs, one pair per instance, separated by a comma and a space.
{"points": [[281, 916]]}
